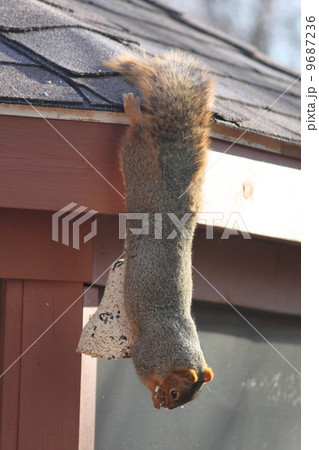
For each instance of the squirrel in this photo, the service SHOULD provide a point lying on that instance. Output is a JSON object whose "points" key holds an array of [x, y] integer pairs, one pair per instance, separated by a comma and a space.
{"points": [[163, 157]]}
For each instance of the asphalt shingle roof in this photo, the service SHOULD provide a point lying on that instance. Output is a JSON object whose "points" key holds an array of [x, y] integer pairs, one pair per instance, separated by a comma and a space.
{"points": [[51, 54]]}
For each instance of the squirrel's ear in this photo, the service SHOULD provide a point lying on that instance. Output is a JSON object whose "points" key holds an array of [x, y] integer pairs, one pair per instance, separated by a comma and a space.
{"points": [[187, 375], [208, 374]]}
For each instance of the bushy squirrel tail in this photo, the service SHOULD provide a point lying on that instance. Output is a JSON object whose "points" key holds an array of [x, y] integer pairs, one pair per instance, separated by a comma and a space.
{"points": [[176, 89]]}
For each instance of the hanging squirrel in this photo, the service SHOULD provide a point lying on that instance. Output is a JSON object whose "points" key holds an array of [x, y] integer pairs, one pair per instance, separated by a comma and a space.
{"points": [[163, 157]]}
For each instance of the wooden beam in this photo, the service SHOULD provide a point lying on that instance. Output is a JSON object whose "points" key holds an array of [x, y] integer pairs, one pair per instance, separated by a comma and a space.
{"points": [[28, 251], [254, 196], [11, 311], [258, 274], [42, 170], [88, 379], [252, 273], [41, 391], [47, 168]]}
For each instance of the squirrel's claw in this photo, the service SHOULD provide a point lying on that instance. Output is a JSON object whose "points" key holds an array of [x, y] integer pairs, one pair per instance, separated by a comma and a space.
{"points": [[132, 108]]}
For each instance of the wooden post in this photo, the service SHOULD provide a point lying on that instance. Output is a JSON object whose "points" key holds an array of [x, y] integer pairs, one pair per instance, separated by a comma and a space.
{"points": [[40, 393]]}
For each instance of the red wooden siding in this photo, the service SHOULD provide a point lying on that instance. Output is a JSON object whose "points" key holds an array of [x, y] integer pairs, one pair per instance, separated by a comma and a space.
{"points": [[39, 169], [28, 251], [41, 392]]}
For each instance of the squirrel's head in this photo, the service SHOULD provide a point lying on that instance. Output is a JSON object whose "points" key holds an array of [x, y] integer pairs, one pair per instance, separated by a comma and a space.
{"points": [[178, 388]]}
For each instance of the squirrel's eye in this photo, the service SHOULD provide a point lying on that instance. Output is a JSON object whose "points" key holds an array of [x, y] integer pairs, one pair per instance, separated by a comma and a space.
{"points": [[174, 393]]}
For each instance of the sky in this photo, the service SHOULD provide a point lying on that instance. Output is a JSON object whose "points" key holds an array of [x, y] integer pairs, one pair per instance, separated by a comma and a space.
{"points": [[271, 25]]}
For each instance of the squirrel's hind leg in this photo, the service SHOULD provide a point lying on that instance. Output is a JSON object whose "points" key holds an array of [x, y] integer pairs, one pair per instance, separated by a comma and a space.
{"points": [[132, 108]]}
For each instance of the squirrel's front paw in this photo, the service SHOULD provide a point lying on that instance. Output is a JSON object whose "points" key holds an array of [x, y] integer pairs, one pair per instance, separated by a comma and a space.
{"points": [[132, 107]]}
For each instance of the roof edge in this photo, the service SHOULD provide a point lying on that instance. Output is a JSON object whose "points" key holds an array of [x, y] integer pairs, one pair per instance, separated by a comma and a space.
{"points": [[225, 132]]}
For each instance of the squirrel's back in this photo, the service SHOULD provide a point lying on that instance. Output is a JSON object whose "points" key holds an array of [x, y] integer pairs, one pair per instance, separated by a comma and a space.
{"points": [[177, 91]]}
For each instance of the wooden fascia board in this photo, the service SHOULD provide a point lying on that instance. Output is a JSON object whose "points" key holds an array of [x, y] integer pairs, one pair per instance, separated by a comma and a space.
{"points": [[43, 171], [246, 137], [222, 131], [85, 115], [256, 197]]}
